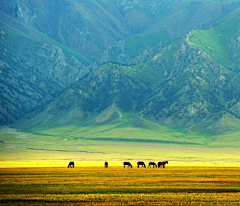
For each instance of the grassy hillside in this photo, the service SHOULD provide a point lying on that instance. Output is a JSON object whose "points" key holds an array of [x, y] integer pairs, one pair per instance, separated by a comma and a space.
{"points": [[117, 137], [209, 41], [221, 42], [130, 129], [136, 44]]}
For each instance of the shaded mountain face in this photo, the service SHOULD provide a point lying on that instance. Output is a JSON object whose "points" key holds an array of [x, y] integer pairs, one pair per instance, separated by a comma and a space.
{"points": [[33, 69], [56, 62], [180, 84], [197, 93], [90, 27], [101, 89]]}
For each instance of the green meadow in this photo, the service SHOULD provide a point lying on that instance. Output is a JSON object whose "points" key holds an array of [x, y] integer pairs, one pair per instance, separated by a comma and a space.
{"points": [[218, 42], [125, 140]]}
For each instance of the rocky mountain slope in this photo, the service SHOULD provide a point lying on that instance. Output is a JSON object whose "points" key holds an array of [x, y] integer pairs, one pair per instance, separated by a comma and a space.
{"points": [[181, 84], [65, 62], [90, 27], [33, 69]]}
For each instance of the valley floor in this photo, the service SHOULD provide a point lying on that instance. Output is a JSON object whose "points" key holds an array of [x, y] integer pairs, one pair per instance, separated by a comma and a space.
{"points": [[119, 186], [92, 146]]}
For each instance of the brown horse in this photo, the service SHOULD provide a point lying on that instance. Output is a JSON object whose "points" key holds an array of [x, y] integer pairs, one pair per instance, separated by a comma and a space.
{"points": [[141, 163], [127, 164], [162, 164], [71, 165], [152, 164]]}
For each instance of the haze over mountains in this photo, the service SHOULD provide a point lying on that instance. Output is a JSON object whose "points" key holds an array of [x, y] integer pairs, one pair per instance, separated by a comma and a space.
{"points": [[91, 62]]}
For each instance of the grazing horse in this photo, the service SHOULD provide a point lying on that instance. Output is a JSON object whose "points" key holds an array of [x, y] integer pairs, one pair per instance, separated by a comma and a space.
{"points": [[106, 164], [141, 163], [152, 164], [71, 165], [162, 164], [127, 164]]}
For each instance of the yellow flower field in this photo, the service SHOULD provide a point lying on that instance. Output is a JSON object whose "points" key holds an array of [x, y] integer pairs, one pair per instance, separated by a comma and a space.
{"points": [[119, 186]]}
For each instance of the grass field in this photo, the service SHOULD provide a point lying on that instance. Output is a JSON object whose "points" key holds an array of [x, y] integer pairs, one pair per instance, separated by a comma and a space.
{"points": [[89, 146], [119, 186], [203, 169]]}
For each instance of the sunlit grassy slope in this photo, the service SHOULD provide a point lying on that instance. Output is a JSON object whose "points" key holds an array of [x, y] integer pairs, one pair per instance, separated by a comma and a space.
{"points": [[126, 138], [138, 43], [221, 42]]}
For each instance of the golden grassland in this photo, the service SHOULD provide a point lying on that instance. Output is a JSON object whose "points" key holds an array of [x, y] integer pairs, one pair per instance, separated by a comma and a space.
{"points": [[119, 186]]}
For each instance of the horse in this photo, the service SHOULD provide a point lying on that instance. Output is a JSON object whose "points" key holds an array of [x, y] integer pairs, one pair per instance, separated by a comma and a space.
{"points": [[162, 164], [71, 165], [106, 164], [152, 164], [141, 163], [127, 164]]}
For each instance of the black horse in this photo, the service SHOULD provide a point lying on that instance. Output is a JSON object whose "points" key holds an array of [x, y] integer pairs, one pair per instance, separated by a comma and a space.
{"points": [[140, 163], [106, 164], [152, 164], [71, 165], [162, 164], [127, 164]]}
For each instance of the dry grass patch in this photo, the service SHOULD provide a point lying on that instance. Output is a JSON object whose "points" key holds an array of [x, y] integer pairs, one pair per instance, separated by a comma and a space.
{"points": [[118, 186]]}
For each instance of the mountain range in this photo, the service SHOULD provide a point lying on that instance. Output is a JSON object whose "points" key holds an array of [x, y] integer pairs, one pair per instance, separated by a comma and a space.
{"points": [[169, 62]]}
